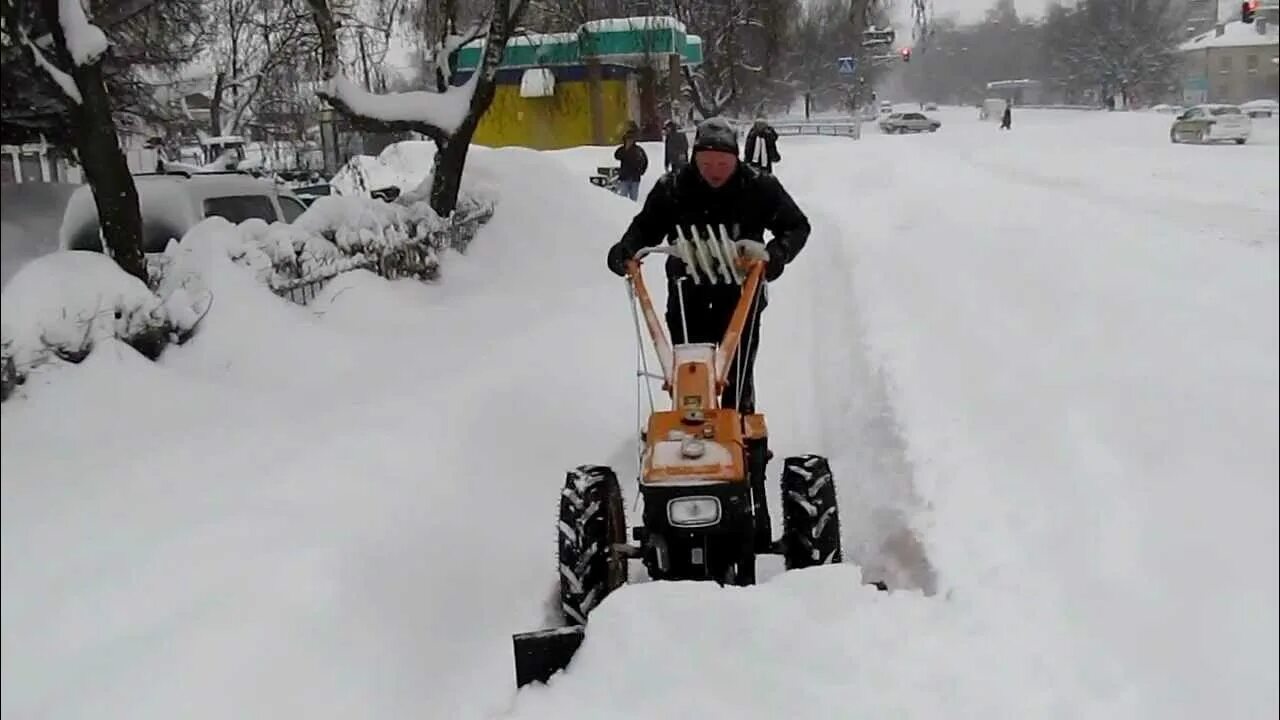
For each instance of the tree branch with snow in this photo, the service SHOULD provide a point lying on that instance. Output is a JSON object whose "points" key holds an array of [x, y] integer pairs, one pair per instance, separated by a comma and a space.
{"points": [[73, 60], [449, 116]]}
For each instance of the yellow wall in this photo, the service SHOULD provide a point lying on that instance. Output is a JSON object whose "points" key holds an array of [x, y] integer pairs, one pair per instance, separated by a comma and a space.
{"points": [[551, 123]]}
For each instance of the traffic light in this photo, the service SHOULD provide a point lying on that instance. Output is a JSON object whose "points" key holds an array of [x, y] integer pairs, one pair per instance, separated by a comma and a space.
{"points": [[1247, 10], [906, 54]]}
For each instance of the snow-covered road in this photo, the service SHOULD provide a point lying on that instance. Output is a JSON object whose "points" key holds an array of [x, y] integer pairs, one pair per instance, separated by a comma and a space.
{"points": [[1044, 364]]}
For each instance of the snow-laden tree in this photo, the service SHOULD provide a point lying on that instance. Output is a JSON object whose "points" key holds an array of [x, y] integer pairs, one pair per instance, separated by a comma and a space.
{"points": [[150, 39], [1125, 47], [830, 29], [448, 112], [59, 39]]}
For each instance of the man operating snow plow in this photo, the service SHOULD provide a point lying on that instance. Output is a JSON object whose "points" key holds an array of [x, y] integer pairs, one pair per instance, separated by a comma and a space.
{"points": [[702, 461]]}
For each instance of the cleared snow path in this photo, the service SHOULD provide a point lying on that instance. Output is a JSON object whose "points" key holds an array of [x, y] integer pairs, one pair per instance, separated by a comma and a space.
{"points": [[1072, 354]]}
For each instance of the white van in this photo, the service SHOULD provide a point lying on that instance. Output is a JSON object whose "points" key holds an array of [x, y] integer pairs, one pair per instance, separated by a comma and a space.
{"points": [[173, 202]]}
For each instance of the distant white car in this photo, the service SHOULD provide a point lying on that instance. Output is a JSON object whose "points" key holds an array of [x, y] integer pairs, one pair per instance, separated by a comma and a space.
{"points": [[1211, 122], [1261, 108], [908, 122]]}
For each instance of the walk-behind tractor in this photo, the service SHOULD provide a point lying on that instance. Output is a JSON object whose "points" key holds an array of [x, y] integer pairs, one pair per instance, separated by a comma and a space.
{"points": [[699, 463]]}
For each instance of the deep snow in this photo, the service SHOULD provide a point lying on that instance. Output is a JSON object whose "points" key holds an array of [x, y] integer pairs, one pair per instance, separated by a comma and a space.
{"points": [[1044, 364]]}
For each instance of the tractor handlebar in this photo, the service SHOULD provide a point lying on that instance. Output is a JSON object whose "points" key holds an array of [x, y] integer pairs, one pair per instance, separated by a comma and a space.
{"points": [[711, 256]]}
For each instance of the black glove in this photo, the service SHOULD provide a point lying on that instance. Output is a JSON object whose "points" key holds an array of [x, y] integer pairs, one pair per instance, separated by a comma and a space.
{"points": [[777, 261], [619, 254]]}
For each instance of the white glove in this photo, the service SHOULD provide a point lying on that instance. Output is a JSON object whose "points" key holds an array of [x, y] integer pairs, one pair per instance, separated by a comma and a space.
{"points": [[752, 249]]}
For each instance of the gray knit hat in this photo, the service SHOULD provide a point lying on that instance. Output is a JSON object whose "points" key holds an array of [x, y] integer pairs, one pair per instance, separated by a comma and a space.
{"points": [[716, 134]]}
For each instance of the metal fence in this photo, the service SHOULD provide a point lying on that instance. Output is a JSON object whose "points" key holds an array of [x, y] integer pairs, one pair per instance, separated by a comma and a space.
{"points": [[834, 128], [416, 261]]}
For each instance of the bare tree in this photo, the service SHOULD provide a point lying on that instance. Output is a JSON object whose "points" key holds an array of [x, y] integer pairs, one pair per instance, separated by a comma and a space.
{"points": [[72, 61], [1119, 46], [830, 29], [448, 116], [256, 40], [713, 86]]}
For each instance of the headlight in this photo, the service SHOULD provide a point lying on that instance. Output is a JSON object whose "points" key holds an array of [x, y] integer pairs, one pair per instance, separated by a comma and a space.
{"points": [[697, 511], [693, 448]]}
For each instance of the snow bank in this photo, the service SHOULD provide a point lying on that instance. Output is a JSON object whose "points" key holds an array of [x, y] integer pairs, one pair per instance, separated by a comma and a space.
{"points": [[815, 643], [280, 517], [408, 165], [63, 304]]}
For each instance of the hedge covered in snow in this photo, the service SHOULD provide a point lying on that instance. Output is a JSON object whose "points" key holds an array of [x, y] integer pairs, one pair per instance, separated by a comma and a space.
{"points": [[59, 306]]}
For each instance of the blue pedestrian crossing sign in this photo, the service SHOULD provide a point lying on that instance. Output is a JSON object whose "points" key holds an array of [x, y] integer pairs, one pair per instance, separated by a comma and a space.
{"points": [[848, 66]]}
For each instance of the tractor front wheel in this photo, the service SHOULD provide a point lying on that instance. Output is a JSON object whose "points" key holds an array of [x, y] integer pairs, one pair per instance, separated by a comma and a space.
{"points": [[810, 518], [591, 522]]}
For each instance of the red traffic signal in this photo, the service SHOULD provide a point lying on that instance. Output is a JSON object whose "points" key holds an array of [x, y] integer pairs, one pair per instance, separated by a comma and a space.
{"points": [[906, 54]]}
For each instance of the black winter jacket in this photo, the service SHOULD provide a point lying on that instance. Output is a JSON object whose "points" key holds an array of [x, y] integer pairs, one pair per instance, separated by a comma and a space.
{"points": [[747, 205], [633, 162], [677, 150], [769, 137]]}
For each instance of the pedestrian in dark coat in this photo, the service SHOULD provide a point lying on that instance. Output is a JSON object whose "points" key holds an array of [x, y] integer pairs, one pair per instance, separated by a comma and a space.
{"points": [[632, 163], [677, 147], [761, 147]]}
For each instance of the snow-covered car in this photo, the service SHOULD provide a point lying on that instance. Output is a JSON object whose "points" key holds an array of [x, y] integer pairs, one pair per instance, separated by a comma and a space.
{"points": [[931, 107], [1211, 123], [906, 122], [1261, 108], [173, 202]]}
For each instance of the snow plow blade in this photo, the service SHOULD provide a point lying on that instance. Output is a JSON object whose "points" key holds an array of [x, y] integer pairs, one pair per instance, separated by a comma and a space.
{"points": [[542, 653]]}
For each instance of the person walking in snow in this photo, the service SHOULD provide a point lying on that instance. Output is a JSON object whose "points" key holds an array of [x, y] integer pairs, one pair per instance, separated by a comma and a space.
{"points": [[1006, 120], [717, 189], [761, 148], [676, 147], [632, 163]]}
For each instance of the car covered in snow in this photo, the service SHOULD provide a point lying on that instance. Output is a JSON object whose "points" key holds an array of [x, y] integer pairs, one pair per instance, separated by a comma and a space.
{"points": [[1261, 108], [173, 202], [905, 122], [1211, 122]]}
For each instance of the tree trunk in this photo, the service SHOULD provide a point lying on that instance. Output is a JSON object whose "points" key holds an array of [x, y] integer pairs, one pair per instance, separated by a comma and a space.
{"points": [[105, 168], [215, 110], [107, 173], [451, 160]]}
